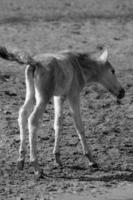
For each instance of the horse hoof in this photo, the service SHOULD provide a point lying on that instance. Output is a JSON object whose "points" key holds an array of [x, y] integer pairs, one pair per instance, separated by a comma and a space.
{"points": [[57, 160], [93, 165], [58, 164], [38, 174], [36, 168], [20, 164]]}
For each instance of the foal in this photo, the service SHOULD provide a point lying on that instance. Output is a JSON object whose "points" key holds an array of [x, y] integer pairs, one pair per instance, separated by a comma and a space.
{"points": [[61, 75]]}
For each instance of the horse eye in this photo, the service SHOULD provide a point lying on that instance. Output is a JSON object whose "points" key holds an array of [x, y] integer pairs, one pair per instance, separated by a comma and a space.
{"points": [[113, 71]]}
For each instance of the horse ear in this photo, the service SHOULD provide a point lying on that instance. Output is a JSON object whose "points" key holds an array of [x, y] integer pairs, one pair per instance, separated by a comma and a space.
{"points": [[104, 56]]}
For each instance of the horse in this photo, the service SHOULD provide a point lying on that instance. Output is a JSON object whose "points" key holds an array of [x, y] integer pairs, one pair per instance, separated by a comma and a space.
{"points": [[61, 75]]}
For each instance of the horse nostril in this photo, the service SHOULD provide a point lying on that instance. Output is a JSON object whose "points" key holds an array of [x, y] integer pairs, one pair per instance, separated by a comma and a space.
{"points": [[121, 93]]}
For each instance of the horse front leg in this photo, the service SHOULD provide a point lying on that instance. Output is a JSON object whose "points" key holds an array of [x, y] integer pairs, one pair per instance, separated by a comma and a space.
{"points": [[75, 109]]}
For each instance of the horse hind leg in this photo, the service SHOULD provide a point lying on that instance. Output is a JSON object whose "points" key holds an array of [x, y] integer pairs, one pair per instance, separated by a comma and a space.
{"points": [[58, 103], [33, 123], [24, 113]]}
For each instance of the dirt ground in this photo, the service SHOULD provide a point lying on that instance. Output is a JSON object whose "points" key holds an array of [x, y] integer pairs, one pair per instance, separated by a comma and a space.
{"points": [[48, 26]]}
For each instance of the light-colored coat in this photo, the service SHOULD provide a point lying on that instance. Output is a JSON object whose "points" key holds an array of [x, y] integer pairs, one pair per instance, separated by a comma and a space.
{"points": [[61, 75]]}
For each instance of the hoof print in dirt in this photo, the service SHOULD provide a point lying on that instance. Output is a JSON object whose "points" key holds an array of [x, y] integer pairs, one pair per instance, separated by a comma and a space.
{"points": [[10, 93]]}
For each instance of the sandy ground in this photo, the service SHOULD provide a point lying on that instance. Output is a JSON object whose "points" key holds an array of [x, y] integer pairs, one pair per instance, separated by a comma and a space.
{"points": [[48, 26]]}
